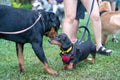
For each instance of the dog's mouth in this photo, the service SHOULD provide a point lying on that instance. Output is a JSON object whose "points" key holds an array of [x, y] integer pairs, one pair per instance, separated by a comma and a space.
{"points": [[52, 33], [55, 42]]}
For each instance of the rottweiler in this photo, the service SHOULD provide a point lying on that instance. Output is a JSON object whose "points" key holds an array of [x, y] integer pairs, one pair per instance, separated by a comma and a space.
{"points": [[14, 20], [71, 53]]}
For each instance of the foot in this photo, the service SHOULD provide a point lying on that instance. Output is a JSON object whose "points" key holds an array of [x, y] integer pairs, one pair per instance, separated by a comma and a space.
{"points": [[104, 51], [115, 40]]}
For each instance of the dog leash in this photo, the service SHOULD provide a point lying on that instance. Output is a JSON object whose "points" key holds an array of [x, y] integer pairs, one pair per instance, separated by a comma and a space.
{"points": [[80, 40], [24, 30]]}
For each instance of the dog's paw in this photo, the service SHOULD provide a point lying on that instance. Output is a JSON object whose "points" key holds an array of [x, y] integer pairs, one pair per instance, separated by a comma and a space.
{"points": [[70, 66], [22, 69], [64, 67], [91, 60], [51, 71], [115, 40]]}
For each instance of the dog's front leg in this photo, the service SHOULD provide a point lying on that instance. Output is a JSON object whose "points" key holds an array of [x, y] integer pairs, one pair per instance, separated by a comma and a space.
{"points": [[70, 66], [64, 66], [48, 69], [37, 47], [19, 49]]}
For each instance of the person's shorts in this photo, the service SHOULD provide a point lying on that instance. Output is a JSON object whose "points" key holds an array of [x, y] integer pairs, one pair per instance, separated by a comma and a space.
{"points": [[80, 14], [118, 3], [110, 0]]}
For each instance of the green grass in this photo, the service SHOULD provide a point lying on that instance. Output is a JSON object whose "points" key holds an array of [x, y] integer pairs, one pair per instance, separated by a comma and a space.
{"points": [[105, 67]]}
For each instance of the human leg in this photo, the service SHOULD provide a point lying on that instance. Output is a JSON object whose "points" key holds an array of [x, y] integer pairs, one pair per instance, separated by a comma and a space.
{"points": [[70, 13], [96, 23], [80, 13], [113, 5], [75, 25], [95, 20]]}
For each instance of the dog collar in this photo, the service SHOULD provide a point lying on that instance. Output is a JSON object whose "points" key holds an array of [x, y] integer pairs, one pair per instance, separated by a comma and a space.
{"points": [[66, 51], [102, 12]]}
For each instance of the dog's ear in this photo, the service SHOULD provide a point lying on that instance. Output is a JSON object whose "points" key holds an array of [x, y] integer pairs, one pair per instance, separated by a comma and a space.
{"points": [[105, 6], [54, 20], [66, 43]]}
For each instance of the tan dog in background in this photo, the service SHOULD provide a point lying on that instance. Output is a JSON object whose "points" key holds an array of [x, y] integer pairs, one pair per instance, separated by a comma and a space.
{"points": [[110, 20]]}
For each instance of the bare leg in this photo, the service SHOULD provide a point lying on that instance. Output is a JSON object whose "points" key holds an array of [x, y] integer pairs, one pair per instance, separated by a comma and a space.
{"points": [[70, 14], [75, 25], [96, 22]]}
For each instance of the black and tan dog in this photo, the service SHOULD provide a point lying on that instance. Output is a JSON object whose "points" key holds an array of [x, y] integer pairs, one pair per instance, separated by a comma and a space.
{"points": [[13, 19], [72, 54]]}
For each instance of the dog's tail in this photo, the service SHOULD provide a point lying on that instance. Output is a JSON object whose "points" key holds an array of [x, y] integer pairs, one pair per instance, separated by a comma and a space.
{"points": [[86, 29]]}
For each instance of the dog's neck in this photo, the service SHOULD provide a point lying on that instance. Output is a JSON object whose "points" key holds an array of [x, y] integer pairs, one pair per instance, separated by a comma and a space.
{"points": [[102, 12], [69, 55], [67, 50]]}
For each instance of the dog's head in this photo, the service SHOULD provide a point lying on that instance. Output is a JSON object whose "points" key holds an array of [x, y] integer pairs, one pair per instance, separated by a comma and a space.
{"points": [[66, 47], [61, 40], [50, 23], [105, 6]]}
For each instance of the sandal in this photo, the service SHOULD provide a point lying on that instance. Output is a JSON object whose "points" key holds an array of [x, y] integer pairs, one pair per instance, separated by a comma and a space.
{"points": [[104, 51]]}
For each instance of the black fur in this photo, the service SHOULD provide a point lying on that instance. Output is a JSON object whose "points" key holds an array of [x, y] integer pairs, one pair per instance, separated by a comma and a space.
{"points": [[78, 52], [14, 19]]}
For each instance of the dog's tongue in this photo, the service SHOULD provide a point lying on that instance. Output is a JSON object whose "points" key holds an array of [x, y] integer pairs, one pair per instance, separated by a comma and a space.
{"points": [[65, 58]]}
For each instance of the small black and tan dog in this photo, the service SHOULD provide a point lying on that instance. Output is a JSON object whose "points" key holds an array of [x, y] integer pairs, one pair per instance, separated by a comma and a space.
{"points": [[70, 53], [14, 19]]}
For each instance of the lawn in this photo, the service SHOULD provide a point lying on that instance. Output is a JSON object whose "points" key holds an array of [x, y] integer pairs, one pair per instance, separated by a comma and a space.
{"points": [[105, 67]]}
